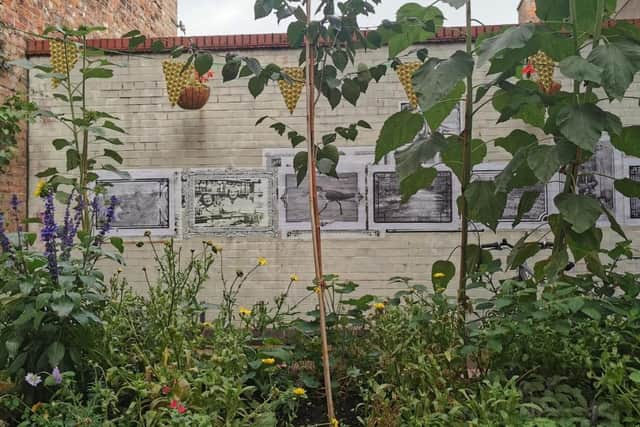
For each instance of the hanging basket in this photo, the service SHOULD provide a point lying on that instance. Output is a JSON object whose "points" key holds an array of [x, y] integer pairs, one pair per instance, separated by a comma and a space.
{"points": [[194, 97]]}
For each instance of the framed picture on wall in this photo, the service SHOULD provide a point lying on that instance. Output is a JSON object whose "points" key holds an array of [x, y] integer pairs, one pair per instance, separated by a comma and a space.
{"points": [[433, 208], [341, 200], [631, 204], [541, 209], [147, 200], [229, 201], [597, 176]]}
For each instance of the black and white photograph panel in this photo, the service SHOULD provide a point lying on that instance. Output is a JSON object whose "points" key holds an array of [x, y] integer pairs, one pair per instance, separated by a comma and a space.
{"points": [[631, 204], [596, 176], [536, 215], [432, 208], [341, 201], [146, 201], [229, 201]]}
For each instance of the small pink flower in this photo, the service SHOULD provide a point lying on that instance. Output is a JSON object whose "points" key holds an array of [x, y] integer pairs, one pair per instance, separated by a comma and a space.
{"points": [[174, 404], [181, 409], [166, 390]]}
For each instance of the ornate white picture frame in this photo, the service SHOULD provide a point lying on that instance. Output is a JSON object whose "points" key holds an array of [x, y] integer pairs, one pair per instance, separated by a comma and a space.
{"points": [[432, 209], [228, 201], [631, 206], [542, 208], [342, 202], [148, 200]]}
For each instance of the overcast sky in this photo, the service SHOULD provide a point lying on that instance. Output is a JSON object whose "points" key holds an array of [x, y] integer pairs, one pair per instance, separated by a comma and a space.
{"points": [[212, 17]]}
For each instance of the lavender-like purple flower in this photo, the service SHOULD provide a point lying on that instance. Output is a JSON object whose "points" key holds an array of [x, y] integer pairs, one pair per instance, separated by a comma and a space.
{"points": [[105, 226], [57, 376], [70, 227], [48, 234], [33, 379], [15, 211], [4, 240]]}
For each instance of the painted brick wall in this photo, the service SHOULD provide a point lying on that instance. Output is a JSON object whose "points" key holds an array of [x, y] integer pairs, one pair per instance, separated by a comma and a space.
{"points": [[223, 134], [152, 17]]}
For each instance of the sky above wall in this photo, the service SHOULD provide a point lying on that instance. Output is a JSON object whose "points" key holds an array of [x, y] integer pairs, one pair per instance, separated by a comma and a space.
{"points": [[213, 17]]}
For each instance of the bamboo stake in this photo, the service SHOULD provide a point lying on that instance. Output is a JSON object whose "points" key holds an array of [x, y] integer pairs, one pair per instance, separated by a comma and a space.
{"points": [[315, 216]]}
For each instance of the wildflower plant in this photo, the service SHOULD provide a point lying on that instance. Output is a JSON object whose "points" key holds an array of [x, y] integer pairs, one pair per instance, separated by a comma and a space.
{"points": [[51, 289]]}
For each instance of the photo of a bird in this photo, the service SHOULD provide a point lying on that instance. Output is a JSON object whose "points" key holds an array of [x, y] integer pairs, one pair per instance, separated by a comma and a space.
{"points": [[330, 196]]}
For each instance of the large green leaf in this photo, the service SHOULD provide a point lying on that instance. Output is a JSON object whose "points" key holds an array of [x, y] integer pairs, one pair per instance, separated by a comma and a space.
{"points": [[439, 112], [203, 63], [628, 141], [452, 155], [414, 23], [619, 63], [398, 130], [581, 212], [517, 173], [484, 203], [628, 187], [295, 33], [55, 353], [419, 180], [552, 10], [543, 161], [421, 151], [516, 140], [441, 274], [583, 244], [526, 203], [582, 124], [435, 79], [521, 101], [578, 68], [512, 38]]}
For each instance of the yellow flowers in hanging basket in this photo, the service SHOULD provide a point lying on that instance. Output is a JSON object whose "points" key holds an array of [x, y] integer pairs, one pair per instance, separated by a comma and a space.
{"points": [[405, 73], [185, 86], [291, 91], [64, 56]]}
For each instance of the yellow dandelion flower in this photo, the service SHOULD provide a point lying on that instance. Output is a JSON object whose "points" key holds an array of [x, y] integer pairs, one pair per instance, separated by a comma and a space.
{"points": [[439, 275], [36, 406], [262, 261], [299, 391], [269, 361], [40, 186], [316, 289], [294, 277], [244, 311], [335, 423], [379, 306]]}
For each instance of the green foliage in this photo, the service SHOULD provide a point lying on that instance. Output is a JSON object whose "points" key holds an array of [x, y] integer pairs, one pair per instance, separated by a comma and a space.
{"points": [[13, 111]]}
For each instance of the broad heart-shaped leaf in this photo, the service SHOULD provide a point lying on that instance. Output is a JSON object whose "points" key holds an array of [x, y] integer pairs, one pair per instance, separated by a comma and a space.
{"points": [[351, 90], [543, 161], [581, 212], [203, 63], [420, 179], [628, 141], [484, 203], [435, 79], [578, 68], [420, 151], [582, 244], [513, 38], [521, 252], [55, 353], [398, 130], [619, 63], [452, 156], [439, 112], [521, 101], [295, 33], [526, 203], [628, 187], [516, 140], [582, 124], [441, 274]]}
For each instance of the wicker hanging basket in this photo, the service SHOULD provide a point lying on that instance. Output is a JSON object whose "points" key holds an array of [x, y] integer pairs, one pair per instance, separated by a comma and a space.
{"points": [[194, 97]]}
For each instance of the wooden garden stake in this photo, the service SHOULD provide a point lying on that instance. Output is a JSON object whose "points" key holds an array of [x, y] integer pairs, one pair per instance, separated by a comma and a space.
{"points": [[315, 216]]}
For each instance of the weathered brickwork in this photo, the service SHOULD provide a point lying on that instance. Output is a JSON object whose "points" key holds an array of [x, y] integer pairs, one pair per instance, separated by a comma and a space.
{"points": [[152, 17], [223, 134]]}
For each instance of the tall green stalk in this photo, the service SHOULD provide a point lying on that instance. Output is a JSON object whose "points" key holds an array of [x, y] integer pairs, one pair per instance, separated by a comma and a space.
{"points": [[467, 135]]}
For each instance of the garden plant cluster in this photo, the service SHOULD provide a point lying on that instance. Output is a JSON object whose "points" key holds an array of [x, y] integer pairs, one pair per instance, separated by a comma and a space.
{"points": [[555, 348]]}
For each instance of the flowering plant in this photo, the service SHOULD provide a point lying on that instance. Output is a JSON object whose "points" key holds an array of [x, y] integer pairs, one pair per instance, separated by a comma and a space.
{"points": [[51, 289]]}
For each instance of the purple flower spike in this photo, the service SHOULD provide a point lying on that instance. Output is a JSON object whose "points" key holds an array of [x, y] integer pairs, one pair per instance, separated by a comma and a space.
{"points": [[105, 227], [48, 234], [70, 227], [57, 376], [4, 240], [15, 211]]}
